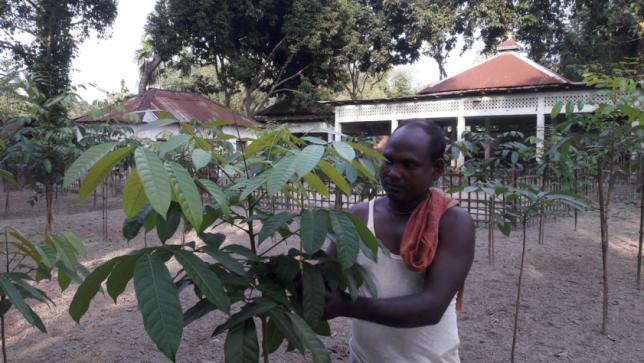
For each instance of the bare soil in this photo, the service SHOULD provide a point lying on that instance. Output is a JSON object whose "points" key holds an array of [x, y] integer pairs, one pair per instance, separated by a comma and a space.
{"points": [[560, 308]]}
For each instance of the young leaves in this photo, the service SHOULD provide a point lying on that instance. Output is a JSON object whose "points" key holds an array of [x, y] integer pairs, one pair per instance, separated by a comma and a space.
{"points": [[272, 224], [134, 197], [16, 299], [307, 159], [99, 171], [84, 162], [313, 291]]}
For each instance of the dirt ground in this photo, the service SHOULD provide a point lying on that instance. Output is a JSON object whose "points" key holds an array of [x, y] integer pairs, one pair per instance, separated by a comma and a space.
{"points": [[560, 308]]}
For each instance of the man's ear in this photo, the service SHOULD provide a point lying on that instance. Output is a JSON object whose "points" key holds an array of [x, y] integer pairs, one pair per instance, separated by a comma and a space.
{"points": [[439, 168]]}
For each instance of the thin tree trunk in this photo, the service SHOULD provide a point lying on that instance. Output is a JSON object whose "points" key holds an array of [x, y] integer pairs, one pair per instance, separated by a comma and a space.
{"points": [[264, 340], [576, 191], [49, 197], [603, 216], [518, 300], [639, 249], [4, 340], [490, 233], [104, 211], [542, 212], [6, 204]]}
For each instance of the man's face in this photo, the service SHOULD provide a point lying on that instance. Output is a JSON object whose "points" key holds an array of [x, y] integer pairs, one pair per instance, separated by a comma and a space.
{"points": [[408, 172]]}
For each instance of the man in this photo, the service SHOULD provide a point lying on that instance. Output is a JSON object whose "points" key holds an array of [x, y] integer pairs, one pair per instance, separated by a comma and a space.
{"points": [[413, 319]]}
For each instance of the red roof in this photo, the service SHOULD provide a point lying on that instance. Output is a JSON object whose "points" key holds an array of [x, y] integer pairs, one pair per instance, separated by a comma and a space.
{"points": [[505, 70], [183, 106]]}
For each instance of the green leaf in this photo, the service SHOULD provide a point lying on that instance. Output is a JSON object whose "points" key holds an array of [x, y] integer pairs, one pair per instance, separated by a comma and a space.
{"points": [[134, 197], [272, 224], [48, 254], [204, 278], [307, 159], [226, 260], [200, 158], [121, 274], [310, 340], [241, 343], [316, 183], [345, 150], [275, 336], [346, 238], [88, 289], [213, 240], [157, 124], [154, 177], [187, 194], [366, 278], [258, 307], [25, 244], [197, 311], [313, 290], [313, 229], [8, 177], [85, 161], [366, 236], [242, 251], [5, 305], [159, 304], [132, 226], [65, 250], [219, 195], [166, 227], [174, 142], [367, 150], [16, 299], [283, 323], [556, 109], [335, 176], [75, 242], [279, 175], [100, 170]]}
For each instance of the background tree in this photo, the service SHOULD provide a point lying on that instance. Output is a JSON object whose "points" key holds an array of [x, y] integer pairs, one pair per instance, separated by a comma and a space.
{"points": [[53, 31], [608, 138]]}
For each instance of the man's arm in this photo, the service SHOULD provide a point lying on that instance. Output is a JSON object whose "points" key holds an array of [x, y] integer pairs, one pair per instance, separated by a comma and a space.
{"points": [[443, 278]]}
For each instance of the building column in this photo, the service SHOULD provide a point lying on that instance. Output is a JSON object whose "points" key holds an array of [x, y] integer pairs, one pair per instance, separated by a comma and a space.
{"points": [[338, 131], [460, 128], [541, 128], [394, 126]]}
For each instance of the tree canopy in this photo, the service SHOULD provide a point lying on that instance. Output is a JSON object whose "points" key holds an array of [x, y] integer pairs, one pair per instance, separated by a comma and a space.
{"points": [[43, 35]]}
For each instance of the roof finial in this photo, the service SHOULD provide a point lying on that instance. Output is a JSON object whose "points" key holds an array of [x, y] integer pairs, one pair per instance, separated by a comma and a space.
{"points": [[509, 45]]}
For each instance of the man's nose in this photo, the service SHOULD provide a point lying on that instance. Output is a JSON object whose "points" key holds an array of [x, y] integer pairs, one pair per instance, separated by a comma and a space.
{"points": [[394, 171]]}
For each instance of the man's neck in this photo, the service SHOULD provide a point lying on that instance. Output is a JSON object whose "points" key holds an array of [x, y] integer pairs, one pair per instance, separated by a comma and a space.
{"points": [[402, 208]]}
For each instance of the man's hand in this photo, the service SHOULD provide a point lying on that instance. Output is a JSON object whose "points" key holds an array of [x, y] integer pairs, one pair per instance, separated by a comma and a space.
{"points": [[336, 304]]}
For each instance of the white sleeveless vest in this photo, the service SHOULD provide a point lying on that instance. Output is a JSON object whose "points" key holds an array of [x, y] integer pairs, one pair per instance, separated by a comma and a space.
{"points": [[376, 343]]}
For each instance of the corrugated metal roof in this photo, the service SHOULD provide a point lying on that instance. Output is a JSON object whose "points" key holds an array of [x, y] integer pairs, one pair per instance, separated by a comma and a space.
{"points": [[183, 106], [505, 70]]}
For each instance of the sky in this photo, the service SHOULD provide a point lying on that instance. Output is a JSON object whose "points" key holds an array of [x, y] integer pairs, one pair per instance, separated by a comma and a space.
{"points": [[106, 62]]}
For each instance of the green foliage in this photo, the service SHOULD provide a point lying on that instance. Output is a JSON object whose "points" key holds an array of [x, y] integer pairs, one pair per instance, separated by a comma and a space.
{"points": [[267, 285], [24, 259]]}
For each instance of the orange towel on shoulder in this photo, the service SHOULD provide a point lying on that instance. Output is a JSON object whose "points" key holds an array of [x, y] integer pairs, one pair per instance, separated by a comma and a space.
{"points": [[420, 240]]}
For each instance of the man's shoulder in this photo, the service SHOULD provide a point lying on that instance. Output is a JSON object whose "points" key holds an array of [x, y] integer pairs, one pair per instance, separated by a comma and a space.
{"points": [[361, 210], [456, 220]]}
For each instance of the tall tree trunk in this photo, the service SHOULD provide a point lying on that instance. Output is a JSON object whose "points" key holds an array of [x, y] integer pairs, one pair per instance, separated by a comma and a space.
{"points": [[49, 198], [146, 75], [518, 300], [603, 216]]}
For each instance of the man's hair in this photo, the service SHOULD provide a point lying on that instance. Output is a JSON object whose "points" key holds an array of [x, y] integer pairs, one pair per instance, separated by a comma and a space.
{"points": [[437, 141]]}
